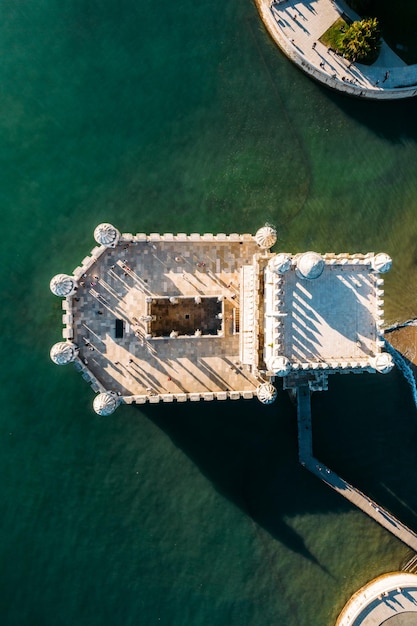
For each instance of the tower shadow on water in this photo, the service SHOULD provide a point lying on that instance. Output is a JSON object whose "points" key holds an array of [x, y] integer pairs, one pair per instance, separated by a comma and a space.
{"points": [[249, 454], [369, 438]]}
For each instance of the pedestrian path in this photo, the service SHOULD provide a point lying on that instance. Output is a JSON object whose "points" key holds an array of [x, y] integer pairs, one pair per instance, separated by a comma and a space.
{"points": [[359, 499], [297, 25], [390, 599]]}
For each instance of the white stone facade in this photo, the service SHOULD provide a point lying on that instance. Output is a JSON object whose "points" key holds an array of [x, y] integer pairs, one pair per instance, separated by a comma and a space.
{"points": [[325, 313], [290, 316]]}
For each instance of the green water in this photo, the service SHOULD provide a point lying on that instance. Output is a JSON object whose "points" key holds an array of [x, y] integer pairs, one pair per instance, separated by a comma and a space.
{"points": [[184, 117]]}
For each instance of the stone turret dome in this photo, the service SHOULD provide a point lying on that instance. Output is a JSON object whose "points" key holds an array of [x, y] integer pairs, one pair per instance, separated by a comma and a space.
{"points": [[279, 365], [106, 403], [106, 235], [63, 285], [310, 265], [381, 262], [63, 352], [266, 237], [266, 393], [382, 363], [281, 263]]}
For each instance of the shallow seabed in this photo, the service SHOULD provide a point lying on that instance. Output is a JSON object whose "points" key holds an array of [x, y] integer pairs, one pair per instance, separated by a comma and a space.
{"points": [[185, 117]]}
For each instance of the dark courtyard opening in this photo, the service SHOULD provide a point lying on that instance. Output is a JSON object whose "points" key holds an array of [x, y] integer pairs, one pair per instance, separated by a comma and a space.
{"points": [[186, 316]]}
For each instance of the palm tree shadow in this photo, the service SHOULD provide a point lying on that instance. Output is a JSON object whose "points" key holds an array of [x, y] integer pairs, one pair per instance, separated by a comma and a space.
{"points": [[249, 454]]}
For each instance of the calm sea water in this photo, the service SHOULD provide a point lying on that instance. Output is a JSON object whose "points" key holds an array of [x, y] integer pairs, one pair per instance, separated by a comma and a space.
{"points": [[184, 117]]}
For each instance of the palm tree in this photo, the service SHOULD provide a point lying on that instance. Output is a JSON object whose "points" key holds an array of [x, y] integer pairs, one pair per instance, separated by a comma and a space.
{"points": [[362, 40]]}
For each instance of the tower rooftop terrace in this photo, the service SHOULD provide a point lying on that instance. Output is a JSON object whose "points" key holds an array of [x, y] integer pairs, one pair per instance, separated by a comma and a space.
{"points": [[189, 317], [330, 319], [134, 283]]}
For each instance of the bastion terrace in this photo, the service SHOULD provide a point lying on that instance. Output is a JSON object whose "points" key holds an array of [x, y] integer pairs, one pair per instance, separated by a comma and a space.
{"points": [[158, 289], [332, 319]]}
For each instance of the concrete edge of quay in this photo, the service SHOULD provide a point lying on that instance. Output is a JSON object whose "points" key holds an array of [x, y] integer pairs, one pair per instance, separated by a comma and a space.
{"points": [[375, 595], [325, 78]]}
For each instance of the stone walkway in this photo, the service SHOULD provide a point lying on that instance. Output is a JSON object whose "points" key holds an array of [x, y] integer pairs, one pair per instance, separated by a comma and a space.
{"points": [[297, 25], [389, 599], [338, 484]]}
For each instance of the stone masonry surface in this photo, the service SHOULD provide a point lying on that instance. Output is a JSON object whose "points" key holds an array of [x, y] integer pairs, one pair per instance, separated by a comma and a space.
{"points": [[116, 287]]}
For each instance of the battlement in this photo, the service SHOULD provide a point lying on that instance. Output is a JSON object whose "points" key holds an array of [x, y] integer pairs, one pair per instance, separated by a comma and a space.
{"points": [[151, 318]]}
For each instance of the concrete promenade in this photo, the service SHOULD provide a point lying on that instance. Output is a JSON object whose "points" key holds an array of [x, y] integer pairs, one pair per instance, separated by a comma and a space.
{"points": [[297, 25], [359, 499], [389, 599]]}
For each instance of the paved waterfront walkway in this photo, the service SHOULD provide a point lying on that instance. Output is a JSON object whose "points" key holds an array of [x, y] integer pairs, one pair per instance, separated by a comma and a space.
{"points": [[389, 599], [297, 25], [363, 502]]}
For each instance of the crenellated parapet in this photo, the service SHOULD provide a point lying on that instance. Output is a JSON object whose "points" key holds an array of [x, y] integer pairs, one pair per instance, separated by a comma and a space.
{"points": [[151, 318], [135, 292], [324, 313], [205, 396], [193, 237]]}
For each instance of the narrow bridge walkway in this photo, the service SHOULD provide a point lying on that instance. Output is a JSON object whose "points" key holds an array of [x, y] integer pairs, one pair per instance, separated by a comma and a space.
{"points": [[359, 499]]}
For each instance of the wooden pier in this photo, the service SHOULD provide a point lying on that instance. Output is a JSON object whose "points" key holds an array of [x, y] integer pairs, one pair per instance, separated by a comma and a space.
{"points": [[345, 489]]}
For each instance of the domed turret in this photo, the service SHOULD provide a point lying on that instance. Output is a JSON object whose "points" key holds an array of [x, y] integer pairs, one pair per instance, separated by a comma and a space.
{"points": [[381, 262], [106, 403], [63, 352], [106, 235], [266, 237], [382, 363], [266, 393], [63, 285], [279, 365], [310, 265], [281, 263]]}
